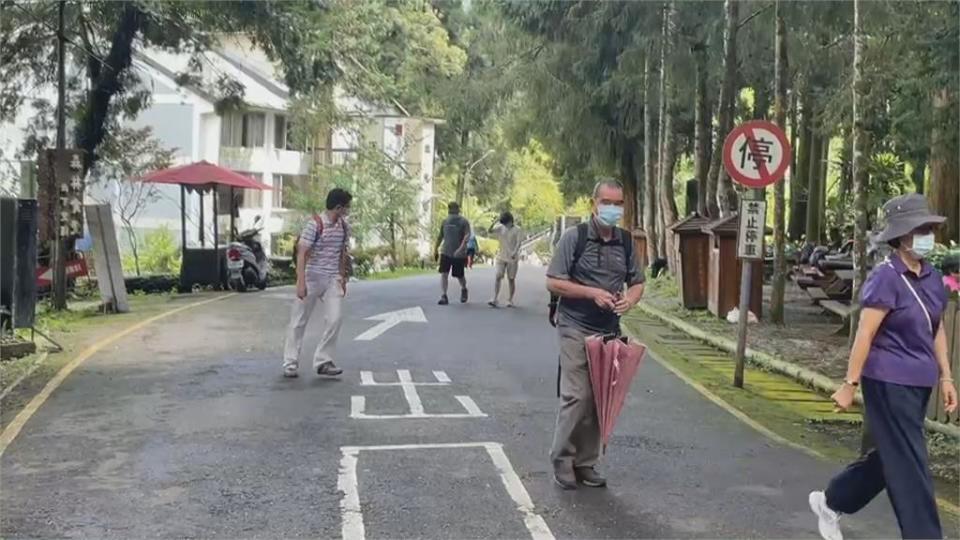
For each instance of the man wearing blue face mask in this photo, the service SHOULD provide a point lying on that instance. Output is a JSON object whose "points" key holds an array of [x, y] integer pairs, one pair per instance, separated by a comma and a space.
{"points": [[592, 265]]}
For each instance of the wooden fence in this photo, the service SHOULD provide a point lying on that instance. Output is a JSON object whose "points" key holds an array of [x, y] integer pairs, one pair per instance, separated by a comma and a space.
{"points": [[951, 322]]}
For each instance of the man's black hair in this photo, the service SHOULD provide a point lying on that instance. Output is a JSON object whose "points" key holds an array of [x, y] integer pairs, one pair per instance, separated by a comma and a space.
{"points": [[506, 218], [453, 208], [338, 198]]}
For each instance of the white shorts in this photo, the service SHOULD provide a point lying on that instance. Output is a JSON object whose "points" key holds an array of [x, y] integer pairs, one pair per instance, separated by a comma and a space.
{"points": [[508, 268]]}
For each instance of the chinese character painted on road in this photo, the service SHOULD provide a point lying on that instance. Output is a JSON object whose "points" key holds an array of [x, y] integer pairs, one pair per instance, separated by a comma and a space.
{"points": [[75, 163], [761, 154], [76, 183]]}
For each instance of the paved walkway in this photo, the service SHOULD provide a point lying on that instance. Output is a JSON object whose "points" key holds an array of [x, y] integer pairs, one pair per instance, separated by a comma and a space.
{"points": [[436, 430]]}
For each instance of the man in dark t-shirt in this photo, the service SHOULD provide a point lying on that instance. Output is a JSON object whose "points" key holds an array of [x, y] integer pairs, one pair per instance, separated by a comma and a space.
{"points": [[595, 288], [451, 249]]}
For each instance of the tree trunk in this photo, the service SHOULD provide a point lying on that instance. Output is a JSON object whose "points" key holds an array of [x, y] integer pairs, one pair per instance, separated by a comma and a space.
{"points": [[726, 196], [779, 189], [813, 229], [664, 98], [628, 154], [861, 152], [649, 168], [944, 166], [800, 179], [761, 102], [462, 174], [824, 180], [668, 157], [919, 173], [702, 125], [91, 126]]}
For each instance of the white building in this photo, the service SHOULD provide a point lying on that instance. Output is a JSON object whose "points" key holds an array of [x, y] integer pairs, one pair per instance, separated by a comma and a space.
{"points": [[257, 141]]}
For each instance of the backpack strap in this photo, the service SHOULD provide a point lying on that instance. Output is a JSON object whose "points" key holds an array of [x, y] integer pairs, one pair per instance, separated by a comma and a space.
{"points": [[582, 238], [627, 239]]}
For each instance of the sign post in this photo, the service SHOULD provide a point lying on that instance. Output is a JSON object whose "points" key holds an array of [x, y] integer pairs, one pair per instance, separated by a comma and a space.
{"points": [[755, 155]]}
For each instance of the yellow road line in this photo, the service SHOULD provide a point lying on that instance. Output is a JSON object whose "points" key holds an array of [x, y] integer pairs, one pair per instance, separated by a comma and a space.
{"points": [[13, 429], [739, 415]]}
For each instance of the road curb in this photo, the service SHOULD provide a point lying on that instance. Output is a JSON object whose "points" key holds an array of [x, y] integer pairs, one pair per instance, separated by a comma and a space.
{"points": [[12, 429], [778, 365]]}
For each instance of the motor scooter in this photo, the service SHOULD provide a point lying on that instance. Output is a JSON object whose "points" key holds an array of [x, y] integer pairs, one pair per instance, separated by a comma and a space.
{"points": [[247, 264]]}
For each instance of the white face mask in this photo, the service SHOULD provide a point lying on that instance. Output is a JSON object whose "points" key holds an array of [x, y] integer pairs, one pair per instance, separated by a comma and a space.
{"points": [[923, 244]]}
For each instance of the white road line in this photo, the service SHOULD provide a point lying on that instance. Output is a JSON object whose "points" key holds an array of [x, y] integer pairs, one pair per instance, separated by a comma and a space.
{"points": [[366, 379], [441, 377], [511, 481], [410, 392], [469, 405], [358, 407], [351, 525], [352, 516]]}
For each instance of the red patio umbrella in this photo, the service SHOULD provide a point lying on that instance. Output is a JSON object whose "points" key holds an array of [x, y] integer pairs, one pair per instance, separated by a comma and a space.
{"points": [[613, 362], [203, 173]]}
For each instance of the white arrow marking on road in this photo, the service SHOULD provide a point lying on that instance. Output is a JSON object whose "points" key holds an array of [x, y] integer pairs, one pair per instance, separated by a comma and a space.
{"points": [[389, 320]]}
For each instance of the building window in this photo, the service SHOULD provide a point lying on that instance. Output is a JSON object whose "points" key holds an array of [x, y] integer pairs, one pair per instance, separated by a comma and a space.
{"points": [[251, 198], [246, 130], [289, 185], [282, 133]]}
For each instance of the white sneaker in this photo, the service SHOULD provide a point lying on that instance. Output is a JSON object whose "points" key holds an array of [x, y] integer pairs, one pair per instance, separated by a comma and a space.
{"points": [[290, 371], [828, 520]]}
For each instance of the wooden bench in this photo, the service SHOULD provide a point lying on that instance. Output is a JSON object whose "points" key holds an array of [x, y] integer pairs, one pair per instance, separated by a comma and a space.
{"points": [[837, 308], [816, 294]]}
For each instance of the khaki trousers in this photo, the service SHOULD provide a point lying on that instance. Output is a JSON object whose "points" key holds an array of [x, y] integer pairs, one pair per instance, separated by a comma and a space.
{"points": [[329, 296], [577, 436]]}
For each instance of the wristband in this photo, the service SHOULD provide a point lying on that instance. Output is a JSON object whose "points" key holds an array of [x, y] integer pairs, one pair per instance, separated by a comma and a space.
{"points": [[848, 382], [946, 379]]}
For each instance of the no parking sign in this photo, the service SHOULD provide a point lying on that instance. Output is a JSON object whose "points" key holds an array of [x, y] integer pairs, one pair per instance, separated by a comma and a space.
{"points": [[756, 154]]}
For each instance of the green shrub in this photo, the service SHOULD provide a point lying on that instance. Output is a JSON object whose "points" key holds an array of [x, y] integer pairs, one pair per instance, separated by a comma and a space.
{"points": [[159, 253], [487, 248]]}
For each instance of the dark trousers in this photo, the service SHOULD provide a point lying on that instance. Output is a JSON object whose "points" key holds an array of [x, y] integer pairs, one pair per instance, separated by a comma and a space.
{"points": [[898, 461]]}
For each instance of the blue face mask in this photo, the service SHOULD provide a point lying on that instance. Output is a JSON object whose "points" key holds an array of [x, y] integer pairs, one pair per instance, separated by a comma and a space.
{"points": [[923, 244], [609, 214]]}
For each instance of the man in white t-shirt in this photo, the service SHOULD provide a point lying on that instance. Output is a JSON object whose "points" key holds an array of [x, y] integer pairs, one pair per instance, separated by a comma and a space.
{"points": [[322, 262], [508, 259]]}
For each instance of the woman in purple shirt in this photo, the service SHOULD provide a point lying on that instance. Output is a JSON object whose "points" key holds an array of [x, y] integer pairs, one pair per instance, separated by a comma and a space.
{"points": [[898, 356]]}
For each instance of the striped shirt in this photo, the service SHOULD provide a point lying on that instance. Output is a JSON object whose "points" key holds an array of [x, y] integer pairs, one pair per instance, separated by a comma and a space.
{"points": [[323, 259]]}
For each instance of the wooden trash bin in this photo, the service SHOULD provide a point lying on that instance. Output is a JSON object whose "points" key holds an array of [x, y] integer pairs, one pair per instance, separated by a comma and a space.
{"points": [[640, 248], [723, 291], [692, 246]]}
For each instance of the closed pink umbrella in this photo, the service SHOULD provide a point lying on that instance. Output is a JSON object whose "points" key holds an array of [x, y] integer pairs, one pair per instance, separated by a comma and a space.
{"points": [[613, 362]]}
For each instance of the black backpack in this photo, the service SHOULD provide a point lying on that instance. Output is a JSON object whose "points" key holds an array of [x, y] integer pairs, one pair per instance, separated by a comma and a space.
{"points": [[626, 241]]}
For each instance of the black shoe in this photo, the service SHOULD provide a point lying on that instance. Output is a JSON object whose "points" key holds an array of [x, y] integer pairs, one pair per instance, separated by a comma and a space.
{"points": [[443, 300], [589, 477], [564, 476], [328, 369], [464, 296]]}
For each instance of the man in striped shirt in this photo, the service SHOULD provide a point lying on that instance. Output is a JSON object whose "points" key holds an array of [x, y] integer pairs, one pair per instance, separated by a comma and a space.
{"points": [[322, 262]]}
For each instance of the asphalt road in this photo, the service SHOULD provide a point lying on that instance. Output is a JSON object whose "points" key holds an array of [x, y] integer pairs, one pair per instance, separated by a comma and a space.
{"points": [[187, 429]]}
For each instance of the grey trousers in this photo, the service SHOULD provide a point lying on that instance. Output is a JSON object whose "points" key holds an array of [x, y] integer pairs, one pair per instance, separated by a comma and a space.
{"points": [[577, 436]]}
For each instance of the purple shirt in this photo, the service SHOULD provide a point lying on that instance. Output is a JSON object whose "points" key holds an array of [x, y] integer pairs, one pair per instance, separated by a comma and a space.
{"points": [[902, 350]]}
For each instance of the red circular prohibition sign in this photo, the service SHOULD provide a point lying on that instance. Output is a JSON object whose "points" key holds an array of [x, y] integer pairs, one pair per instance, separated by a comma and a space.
{"points": [[766, 176]]}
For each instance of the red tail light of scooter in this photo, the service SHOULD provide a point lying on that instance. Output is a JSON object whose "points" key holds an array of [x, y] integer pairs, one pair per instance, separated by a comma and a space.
{"points": [[233, 254]]}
